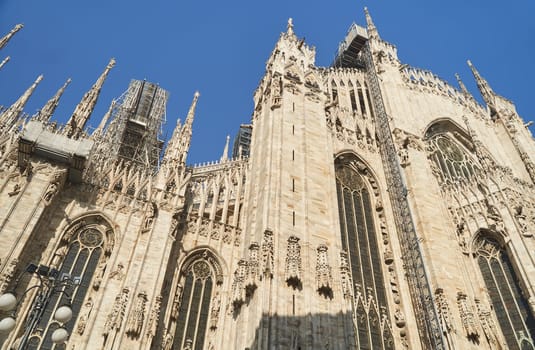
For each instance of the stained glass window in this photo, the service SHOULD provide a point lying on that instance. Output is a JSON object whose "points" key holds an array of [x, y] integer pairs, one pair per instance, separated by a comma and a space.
{"points": [[359, 240], [512, 310]]}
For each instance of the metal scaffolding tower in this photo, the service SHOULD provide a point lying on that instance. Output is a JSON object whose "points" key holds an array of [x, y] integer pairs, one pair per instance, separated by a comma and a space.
{"points": [[135, 131]]}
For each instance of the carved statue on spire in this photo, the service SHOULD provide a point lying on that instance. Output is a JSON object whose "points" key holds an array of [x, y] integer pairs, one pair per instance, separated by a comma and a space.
{"points": [[81, 114], [10, 116], [5, 39], [290, 27], [48, 109]]}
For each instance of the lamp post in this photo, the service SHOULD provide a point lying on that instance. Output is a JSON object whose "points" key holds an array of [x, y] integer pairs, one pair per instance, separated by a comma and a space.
{"points": [[51, 281]]}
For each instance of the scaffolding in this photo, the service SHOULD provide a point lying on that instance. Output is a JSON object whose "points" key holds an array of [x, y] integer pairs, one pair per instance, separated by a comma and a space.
{"points": [[349, 49], [135, 131]]}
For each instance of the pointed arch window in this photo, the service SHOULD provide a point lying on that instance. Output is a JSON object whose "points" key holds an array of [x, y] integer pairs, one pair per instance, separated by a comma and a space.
{"points": [[511, 307], [196, 304], [83, 252], [451, 158], [359, 241]]}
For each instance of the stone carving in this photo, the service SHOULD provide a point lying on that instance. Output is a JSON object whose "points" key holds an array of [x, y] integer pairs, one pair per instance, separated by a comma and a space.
{"points": [[51, 192], [522, 221], [15, 190], [495, 219], [253, 268], [100, 274], [394, 284], [59, 255], [238, 288], [293, 263], [176, 301], [167, 343], [399, 318], [149, 217], [118, 273], [137, 316], [276, 88], [467, 317], [154, 317], [323, 272], [461, 233], [345, 276], [8, 274], [116, 315], [488, 325], [443, 310], [84, 316], [267, 254], [214, 311]]}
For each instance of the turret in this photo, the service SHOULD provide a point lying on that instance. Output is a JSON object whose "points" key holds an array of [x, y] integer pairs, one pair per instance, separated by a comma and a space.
{"points": [[5, 39], [100, 129], [81, 114], [49, 108], [484, 88], [10, 116]]}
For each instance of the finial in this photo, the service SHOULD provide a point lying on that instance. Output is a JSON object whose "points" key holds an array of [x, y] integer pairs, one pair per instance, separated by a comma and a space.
{"points": [[48, 109], [484, 87], [290, 27], [5, 39], [372, 30], [100, 129], [4, 61], [463, 88], [224, 157]]}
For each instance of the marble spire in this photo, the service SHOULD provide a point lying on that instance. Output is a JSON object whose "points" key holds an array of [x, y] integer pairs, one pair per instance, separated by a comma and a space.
{"points": [[8, 36], [48, 109], [10, 116], [484, 87], [224, 156], [75, 126], [4, 61], [372, 30]]}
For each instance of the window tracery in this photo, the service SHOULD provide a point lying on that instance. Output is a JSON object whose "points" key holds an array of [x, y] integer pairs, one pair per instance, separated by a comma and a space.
{"points": [[82, 251], [196, 303], [510, 305], [452, 159], [361, 259]]}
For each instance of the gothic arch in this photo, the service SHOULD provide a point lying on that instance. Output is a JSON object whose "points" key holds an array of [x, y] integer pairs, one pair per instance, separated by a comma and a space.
{"points": [[196, 294], [362, 227], [82, 252], [506, 289], [442, 125]]}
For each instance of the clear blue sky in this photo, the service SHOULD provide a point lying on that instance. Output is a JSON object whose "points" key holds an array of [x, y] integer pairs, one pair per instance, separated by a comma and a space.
{"points": [[220, 48]]}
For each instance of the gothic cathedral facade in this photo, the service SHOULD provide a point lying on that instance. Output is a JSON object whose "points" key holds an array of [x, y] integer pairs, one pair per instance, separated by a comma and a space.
{"points": [[379, 208]]}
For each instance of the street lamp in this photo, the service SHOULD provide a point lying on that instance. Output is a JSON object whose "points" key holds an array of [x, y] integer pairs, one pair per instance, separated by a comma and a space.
{"points": [[51, 281]]}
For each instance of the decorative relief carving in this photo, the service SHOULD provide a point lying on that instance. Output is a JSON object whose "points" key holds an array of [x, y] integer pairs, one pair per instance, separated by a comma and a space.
{"points": [[345, 273], [84, 316], [323, 272], [118, 274], [134, 325], [467, 317], [154, 317], [8, 274], [176, 301], [293, 263], [487, 323], [238, 288], [116, 315], [214, 311], [267, 254], [253, 268], [443, 310]]}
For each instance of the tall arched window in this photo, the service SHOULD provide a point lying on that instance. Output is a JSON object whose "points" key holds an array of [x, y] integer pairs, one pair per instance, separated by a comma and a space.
{"points": [[512, 309], [196, 305], [359, 240], [83, 250]]}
